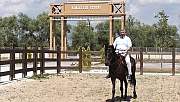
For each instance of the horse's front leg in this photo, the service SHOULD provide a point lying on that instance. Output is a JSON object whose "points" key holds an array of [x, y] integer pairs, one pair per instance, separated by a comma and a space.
{"points": [[113, 87], [121, 88]]}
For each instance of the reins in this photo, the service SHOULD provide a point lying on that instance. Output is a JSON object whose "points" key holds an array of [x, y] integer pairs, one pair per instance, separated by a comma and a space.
{"points": [[113, 57], [117, 61]]}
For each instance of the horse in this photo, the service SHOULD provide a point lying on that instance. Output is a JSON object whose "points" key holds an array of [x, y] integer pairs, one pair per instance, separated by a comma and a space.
{"points": [[118, 69]]}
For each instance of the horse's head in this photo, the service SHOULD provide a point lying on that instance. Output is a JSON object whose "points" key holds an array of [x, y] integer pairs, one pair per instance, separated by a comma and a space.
{"points": [[109, 54]]}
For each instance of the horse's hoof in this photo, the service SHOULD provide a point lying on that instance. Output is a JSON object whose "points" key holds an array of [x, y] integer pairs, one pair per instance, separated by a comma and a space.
{"points": [[135, 96], [125, 97], [113, 100]]}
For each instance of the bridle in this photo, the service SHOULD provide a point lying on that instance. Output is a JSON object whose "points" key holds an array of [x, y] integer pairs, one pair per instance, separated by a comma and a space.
{"points": [[109, 54], [113, 55]]}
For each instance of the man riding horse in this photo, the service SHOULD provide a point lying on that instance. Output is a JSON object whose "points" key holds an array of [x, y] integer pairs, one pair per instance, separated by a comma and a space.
{"points": [[123, 44]]}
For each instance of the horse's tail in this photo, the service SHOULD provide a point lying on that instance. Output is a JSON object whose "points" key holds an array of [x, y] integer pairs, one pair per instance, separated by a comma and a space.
{"points": [[133, 68]]}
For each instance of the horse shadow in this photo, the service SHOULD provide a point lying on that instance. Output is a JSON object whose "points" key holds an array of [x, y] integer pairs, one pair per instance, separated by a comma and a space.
{"points": [[119, 99]]}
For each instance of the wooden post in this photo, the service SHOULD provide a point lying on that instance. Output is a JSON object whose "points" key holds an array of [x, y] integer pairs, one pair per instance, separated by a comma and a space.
{"points": [[58, 59], [12, 63], [50, 37], [42, 61], [111, 39], [35, 60], [24, 64], [123, 18], [65, 39], [62, 35], [80, 60], [141, 61], [173, 61]]}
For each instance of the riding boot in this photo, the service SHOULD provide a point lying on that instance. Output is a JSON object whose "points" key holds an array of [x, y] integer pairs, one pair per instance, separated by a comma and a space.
{"points": [[108, 76], [129, 77]]}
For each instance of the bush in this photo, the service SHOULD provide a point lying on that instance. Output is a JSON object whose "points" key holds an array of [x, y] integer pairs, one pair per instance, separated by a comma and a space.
{"points": [[88, 56], [103, 55], [29, 55], [84, 56]]}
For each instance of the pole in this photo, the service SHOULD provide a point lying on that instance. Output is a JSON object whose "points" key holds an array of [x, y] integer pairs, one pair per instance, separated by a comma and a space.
{"points": [[137, 55], [129, 24], [89, 34], [129, 28], [136, 38]]}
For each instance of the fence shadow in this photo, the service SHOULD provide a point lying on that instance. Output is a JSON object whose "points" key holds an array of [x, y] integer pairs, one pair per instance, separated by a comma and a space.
{"points": [[119, 99]]}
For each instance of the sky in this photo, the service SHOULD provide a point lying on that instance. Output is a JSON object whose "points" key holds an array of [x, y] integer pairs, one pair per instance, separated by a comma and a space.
{"points": [[143, 10]]}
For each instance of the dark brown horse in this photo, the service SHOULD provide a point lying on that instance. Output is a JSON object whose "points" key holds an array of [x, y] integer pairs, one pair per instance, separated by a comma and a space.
{"points": [[117, 69]]}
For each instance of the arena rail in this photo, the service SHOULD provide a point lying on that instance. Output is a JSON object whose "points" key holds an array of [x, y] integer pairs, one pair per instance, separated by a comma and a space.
{"points": [[42, 60]]}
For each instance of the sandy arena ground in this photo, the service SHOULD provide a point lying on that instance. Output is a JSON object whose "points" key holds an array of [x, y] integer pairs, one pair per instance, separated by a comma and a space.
{"points": [[89, 88]]}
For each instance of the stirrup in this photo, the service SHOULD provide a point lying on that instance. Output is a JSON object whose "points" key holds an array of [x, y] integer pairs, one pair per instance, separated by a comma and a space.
{"points": [[129, 77], [108, 76]]}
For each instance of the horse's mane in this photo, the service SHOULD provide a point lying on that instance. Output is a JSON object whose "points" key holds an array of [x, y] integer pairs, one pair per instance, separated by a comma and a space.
{"points": [[112, 47], [115, 56]]}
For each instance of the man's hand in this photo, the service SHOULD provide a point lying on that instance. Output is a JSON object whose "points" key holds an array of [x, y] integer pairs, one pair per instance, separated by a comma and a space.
{"points": [[124, 52]]}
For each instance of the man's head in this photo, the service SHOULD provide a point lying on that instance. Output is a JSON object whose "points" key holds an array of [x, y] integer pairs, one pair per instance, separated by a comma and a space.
{"points": [[122, 32]]}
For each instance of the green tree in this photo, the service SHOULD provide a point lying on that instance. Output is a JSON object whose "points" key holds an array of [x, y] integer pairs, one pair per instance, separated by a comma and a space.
{"points": [[25, 36], [102, 34], [162, 29], [2, 34], [8, 28], [165, 33], [68, 34], [80, 35], [42, 29]]}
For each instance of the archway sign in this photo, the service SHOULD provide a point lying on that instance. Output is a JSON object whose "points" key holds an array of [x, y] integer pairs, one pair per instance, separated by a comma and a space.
{"points": [[84, 10]]}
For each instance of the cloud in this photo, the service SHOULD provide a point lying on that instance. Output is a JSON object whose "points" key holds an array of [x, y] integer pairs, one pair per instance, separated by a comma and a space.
{"points": [[15, 1], [126, 1], [133, 10], [16, 8], [13, 7], [146, 2], [173, 1], [2, 2], [143, 10], [30, 7]]}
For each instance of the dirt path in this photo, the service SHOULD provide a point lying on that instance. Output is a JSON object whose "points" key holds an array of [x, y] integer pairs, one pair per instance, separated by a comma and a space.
{"points": [[89, 88]]}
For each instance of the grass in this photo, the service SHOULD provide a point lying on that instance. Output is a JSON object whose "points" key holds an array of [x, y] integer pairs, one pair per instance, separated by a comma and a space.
{"points": [[86, 68], [40, 76], [157, 70], [145, 70], [4, 58]]}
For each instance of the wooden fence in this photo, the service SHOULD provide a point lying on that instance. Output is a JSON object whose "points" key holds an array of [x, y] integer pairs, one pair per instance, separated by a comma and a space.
{"points": [[41, 59], [142, 60]]}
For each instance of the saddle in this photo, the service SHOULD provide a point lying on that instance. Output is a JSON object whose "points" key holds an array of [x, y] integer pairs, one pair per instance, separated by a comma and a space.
{"points": [[123, 62], [122, 59]]}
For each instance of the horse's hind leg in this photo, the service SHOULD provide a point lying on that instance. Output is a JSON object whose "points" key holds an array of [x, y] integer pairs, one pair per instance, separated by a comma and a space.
{"points": [[134, 81], [134, 91]]}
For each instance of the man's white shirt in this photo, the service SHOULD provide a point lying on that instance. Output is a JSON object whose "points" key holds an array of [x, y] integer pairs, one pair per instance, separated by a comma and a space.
{"points": [[122, 43]]}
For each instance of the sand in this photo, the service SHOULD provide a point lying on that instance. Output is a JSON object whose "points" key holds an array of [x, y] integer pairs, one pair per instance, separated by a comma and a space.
{"points": [[85, 87]]}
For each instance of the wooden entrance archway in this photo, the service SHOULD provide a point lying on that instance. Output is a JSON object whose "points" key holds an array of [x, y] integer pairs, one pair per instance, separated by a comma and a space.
{"points": [[66, 11]]}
